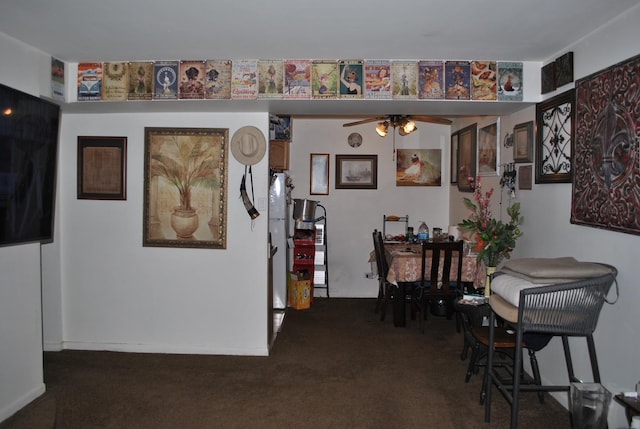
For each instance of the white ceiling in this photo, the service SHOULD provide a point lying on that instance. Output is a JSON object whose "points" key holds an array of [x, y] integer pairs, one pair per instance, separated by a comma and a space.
{"points": [[111, 30]]}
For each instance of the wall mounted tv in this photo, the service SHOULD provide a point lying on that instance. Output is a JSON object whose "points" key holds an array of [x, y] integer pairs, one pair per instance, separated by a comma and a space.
{"points": [[28, 159]]}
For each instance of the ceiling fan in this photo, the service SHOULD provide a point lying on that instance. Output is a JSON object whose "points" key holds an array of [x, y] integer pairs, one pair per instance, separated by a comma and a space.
{"points": [[404, 123]]}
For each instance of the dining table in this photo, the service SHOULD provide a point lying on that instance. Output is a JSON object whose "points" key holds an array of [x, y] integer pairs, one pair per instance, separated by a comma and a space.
{"points": [[405, 266]]}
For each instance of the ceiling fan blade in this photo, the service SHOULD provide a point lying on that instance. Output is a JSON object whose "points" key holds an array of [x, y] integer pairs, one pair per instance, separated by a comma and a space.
{"points": [[365, 121], [432, 119]]}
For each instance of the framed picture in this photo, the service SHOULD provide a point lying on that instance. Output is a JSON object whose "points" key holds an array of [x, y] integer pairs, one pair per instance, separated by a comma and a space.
{"points": [[523, 142], [564, 69], [548, 78], [185, 187], [102, 168], [280, 127], [488, 148], [419, 167], [467, 157], [454, 157], [319, 183], [554, 140], [356, 171], [524, 174]]}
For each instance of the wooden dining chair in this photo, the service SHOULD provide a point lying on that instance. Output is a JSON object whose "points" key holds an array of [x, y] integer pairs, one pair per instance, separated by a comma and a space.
{"points": [[436, 283], [385, 290]]}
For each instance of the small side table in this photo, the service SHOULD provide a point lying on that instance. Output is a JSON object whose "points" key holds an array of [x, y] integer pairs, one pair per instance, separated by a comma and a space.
{"points": [[471, 314], [631, 405]]}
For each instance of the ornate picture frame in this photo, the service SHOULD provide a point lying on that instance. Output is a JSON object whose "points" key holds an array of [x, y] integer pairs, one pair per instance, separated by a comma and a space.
{"points": [[102, 168], [555, 138], [467, 157], [319, 177], [356, 171], [523, 142], [185, 187]]}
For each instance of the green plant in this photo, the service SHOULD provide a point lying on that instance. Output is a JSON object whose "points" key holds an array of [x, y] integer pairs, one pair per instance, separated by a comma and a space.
{"points": [[186, 162], [496, 239]]}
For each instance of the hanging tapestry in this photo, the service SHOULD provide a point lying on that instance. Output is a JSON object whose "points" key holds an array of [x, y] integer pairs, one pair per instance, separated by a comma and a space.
{"points": [[606, 185]]}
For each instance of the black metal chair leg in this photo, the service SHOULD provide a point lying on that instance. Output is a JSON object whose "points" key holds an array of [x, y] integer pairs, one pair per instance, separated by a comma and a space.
{"points": [[475, 354], [594, 360], [536, 373], [569, 361], [517, 368], [488, 370]]}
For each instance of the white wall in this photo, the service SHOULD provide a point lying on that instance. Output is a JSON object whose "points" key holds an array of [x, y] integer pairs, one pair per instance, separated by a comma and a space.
{"points": [[119, 295], [352, 215], [21, 378], [548, 233], [103, 290]]}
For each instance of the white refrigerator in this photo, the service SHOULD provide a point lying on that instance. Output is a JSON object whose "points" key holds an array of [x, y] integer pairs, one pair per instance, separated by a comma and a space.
{"points": [[279, 215]]}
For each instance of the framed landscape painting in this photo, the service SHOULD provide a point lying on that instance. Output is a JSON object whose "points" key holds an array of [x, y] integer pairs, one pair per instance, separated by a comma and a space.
{"points": [[356, 171]]}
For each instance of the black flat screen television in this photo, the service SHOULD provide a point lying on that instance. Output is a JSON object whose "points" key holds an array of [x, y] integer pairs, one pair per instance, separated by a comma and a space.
{"points": [[28, 161]]}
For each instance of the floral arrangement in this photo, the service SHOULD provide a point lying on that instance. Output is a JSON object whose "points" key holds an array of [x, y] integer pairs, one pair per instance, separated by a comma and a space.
{"points": [[496, 239]]}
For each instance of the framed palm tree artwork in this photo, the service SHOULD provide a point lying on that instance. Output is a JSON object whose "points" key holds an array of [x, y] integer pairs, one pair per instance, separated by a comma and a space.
{"points": [[185, 181]]}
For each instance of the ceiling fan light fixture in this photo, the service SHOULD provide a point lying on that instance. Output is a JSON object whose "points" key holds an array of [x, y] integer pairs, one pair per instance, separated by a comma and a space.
{"points": [[382, 128], [409, 126]]}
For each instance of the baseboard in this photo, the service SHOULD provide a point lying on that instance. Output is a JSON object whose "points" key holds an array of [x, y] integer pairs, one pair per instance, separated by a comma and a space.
{"points": [[168, 349], [21, 402], [52, 346]]}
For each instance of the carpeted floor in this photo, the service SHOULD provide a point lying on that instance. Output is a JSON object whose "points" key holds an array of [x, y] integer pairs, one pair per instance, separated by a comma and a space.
{"points": [[334, 366]]}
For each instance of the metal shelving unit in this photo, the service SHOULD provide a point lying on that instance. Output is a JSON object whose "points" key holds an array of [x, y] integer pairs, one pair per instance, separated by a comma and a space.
{"points": [[391, 218], [321, 267]]}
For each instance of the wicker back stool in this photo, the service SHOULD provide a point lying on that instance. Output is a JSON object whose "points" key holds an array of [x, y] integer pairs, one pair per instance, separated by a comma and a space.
{"points": [[566, 310]]}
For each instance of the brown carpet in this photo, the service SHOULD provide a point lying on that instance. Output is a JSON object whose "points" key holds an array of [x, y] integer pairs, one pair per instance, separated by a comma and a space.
{"points": [[334, 366]]}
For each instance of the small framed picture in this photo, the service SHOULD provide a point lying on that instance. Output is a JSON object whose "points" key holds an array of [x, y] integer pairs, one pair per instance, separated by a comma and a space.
{"points": [[523, 142], [356, 171], [319, 178], [564, 69], [467, 157], [525, 175], [454, 158], [280, 127], [488, 148], [102, 168]]}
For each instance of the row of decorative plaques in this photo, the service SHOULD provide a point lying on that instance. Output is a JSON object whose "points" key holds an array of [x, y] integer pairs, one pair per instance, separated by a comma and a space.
{"points": [[300, 80]]}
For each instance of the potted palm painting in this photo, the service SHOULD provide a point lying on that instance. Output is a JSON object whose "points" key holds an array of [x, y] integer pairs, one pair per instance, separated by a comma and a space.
{"points": [[185, 187]]}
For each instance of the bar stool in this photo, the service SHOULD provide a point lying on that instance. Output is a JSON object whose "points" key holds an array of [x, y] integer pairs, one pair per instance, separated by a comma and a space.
{"points": [[567, 310]]}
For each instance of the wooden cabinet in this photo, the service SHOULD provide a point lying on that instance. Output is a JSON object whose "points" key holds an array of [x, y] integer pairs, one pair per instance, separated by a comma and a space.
{"points": [[279, 155]]}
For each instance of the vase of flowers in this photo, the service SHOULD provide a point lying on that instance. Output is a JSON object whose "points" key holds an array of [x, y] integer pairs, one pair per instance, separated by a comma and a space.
{"points": [[495, 238]]}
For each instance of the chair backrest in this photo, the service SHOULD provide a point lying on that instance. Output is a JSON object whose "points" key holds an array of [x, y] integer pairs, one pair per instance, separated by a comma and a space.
{"points": [[566, 308], [381, 257], [442, 255]]}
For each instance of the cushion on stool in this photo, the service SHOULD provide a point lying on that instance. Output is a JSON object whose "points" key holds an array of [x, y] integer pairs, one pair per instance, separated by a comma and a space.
{"points": [[503, 308], [509, 287]]}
